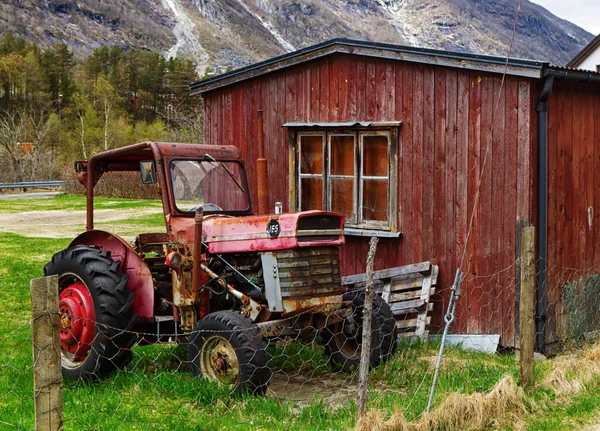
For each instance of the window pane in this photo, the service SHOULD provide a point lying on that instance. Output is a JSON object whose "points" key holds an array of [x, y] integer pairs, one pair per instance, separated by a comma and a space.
{"points": [[342, 197], [215, 185], [375, 155], [311, 154], [312, 194], [375, 200], [342, 154]]}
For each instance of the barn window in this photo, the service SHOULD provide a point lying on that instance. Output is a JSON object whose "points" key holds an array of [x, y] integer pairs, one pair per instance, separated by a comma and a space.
{"points": [[350, 171]]}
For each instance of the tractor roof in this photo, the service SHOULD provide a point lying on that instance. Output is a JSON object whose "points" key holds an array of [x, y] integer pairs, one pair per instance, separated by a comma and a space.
{"points": [[128, 158]]}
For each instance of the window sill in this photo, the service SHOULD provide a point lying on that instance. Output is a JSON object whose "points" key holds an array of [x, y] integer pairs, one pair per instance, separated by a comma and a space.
{"points": [[351, 231]]}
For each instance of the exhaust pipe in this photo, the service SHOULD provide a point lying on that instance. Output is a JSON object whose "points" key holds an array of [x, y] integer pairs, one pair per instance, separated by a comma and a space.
{"points": [[197, 257], [262, 183]]}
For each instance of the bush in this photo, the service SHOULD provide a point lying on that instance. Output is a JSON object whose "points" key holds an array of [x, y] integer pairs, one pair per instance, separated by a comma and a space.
{"points": [[581, 300], [111, 185]]}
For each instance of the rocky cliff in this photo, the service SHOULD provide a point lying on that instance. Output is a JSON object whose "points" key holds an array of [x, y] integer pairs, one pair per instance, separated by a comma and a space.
{"points": [[221, 34]]}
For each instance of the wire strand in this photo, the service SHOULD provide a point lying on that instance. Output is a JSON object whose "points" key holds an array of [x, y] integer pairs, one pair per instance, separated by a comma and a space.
{"points": [[487, 150]]}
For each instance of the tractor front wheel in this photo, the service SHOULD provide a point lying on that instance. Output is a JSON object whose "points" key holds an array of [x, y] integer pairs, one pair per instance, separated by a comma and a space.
{"points": [[95, 312], [227, 347]]}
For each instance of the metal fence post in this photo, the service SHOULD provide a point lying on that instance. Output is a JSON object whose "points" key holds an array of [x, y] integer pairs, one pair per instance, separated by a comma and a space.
{"points": [[365, 353], [527, 306], [47, 375]]}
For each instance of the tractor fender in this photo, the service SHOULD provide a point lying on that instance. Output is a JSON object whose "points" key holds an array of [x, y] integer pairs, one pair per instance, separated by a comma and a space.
{"points": [[140, 278]]}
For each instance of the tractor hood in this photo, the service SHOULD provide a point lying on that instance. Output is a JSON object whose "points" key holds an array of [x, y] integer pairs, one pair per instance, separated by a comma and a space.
{"points": [[272, 232]]}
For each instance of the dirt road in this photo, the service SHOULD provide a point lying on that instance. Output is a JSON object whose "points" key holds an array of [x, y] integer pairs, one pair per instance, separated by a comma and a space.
{"points": [[62, 224]]}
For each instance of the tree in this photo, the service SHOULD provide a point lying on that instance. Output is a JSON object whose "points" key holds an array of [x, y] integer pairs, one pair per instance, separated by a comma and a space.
{"points": [[52, 105], [187, 125], [81, 107], [33, 79], [107, 99], [39, 125], [10, 66], [10, 44], [11, 133], [23, 140]]}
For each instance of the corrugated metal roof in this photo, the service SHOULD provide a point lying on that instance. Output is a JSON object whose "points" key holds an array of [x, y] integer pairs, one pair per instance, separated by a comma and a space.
{"points": [[512, 66], [572, 74], [585, 52]]}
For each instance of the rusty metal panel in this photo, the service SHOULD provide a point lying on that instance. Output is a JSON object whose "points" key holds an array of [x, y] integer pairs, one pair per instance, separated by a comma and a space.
{"points": [[309, 272]]}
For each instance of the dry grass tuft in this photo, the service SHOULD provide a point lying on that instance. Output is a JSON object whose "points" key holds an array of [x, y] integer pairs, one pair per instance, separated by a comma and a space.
{"points": [[571, 372], [503, 404], [557, 380], [593, 353]]}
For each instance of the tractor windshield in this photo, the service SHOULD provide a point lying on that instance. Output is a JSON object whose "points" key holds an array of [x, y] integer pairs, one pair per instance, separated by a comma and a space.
{"points": [[219, 186]]}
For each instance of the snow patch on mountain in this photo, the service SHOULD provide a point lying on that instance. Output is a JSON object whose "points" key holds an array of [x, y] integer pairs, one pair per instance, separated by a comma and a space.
{"points": [[399, 13], [269, 26], [187, 42]]}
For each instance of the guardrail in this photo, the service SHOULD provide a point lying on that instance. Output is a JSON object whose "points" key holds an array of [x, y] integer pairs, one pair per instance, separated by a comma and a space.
{"points": [[32, 184]]}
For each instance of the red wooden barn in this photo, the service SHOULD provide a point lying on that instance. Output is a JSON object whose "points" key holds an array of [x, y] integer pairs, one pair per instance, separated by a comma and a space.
{"points": [[396, 137]]}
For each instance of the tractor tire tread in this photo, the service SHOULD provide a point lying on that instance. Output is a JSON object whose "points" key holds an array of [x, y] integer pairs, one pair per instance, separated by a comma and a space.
{"points": [[113, 304], [246, 337]]}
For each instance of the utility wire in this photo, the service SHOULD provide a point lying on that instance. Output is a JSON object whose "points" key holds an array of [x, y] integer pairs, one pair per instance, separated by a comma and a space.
{"points": [[487, 150], [455, 292]]}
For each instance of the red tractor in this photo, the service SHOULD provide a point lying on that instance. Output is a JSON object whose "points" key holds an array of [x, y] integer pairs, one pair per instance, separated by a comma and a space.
{"points": [[221, 279]]}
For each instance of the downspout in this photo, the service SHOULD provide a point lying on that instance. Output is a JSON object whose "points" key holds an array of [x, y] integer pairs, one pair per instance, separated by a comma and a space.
{"points": [[542, 216]]}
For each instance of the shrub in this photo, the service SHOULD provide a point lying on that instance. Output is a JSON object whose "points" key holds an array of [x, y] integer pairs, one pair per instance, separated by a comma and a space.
{"points": [[581, 300]]}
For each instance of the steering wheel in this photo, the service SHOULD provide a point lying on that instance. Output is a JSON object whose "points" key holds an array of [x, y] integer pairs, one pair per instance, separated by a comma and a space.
{"points": [[209, 207]]}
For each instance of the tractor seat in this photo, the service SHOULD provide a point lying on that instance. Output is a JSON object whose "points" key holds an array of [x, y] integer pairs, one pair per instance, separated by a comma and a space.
{"points": [[151, 242]]}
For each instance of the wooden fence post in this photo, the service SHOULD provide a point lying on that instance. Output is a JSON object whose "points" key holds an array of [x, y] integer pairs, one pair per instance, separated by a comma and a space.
{"points": [[365, 354], [47, 373], [527, 307]]}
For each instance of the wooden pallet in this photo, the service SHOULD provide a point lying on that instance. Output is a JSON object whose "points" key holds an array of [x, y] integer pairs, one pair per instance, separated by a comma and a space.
{"points": [[407, 289]]}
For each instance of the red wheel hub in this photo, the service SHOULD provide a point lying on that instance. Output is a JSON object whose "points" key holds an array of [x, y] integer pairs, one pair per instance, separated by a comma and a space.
{"points": [[77, 320]]}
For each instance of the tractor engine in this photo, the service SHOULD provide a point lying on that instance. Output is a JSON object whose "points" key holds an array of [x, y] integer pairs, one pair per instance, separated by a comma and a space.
{"points": [[271, 278], [286, 262]]}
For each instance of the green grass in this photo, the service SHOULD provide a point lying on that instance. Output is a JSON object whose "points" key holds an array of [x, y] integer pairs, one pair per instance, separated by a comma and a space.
{"points": [[132, 226], [74, 203], [155, 391], [21, 259], [570, 413]]}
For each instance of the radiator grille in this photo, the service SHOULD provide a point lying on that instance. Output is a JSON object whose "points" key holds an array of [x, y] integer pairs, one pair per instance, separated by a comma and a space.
{"points": [[309, 272]]}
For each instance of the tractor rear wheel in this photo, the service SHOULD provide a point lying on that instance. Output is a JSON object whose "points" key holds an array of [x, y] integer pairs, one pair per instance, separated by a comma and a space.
{"points": [[343, 341], [389, 334], [229, 348], [95, 312]]}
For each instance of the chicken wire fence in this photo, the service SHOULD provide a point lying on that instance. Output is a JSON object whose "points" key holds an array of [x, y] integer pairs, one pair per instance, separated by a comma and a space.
{"points": [[303, 380]]}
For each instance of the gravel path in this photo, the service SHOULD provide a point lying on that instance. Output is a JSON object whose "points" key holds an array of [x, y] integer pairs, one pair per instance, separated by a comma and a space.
{"points": [[62, 224]]}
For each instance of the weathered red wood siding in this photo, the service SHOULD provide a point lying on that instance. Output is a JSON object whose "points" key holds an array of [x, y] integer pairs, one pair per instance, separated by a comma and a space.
{"points": [[574, 192], [448, 133]]}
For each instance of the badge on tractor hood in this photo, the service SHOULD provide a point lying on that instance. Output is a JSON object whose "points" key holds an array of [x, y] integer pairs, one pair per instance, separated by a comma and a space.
{"points": [[273, 228]]}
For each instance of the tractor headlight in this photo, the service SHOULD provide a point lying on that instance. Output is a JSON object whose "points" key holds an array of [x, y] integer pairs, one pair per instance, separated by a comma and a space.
{"points": [[174, 259]]}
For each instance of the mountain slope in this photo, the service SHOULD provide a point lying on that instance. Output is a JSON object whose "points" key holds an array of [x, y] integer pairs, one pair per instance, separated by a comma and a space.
{"points": [[220, 34], [88, 24]]}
